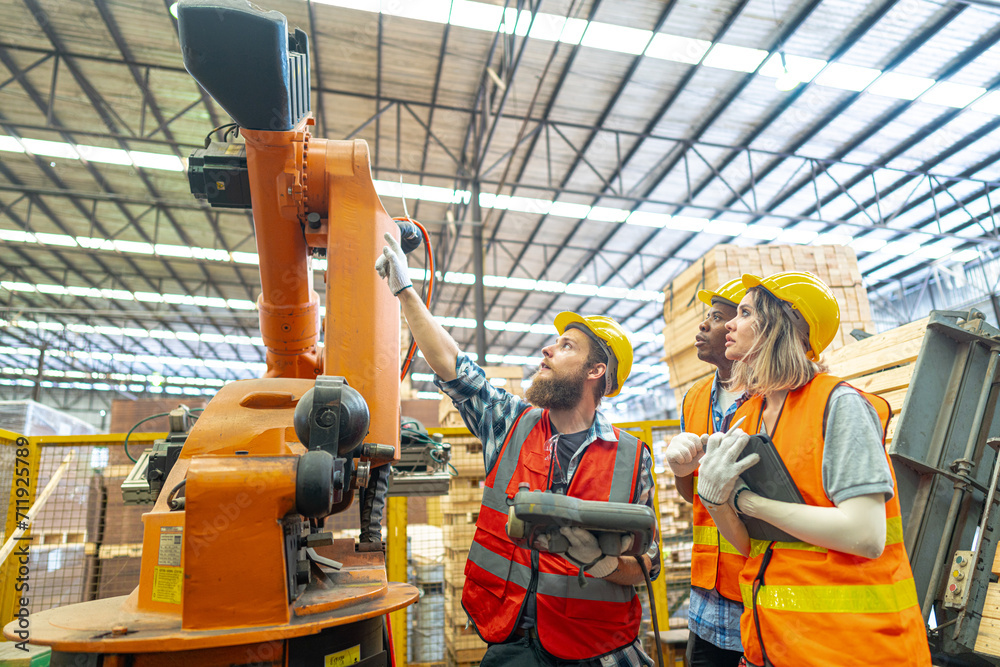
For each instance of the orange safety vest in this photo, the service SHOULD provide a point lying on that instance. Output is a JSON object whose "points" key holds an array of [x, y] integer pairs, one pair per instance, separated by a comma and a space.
{"points": [[715, 563], [817, 606], [573, 622]]}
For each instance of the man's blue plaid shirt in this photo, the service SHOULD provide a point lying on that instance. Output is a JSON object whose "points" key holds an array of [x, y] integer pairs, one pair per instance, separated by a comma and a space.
{"points": [[490, 412]]}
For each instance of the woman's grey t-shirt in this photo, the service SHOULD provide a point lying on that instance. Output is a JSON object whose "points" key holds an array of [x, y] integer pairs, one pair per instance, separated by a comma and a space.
{"points": [[854, 461]]}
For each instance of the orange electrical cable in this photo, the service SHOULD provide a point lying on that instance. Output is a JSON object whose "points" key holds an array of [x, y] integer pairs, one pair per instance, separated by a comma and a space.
{"points": [[429, 262]]}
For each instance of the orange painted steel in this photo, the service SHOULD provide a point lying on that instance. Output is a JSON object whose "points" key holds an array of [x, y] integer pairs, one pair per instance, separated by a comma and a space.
{"points": [[213, 574]]}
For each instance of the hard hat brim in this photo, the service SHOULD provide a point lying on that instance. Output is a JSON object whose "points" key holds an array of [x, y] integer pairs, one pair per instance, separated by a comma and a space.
{"points": [[708, 298], [566, 318]]}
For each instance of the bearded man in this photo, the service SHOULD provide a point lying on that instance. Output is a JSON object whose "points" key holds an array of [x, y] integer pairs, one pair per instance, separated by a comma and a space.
{"points": [[529, 604]]}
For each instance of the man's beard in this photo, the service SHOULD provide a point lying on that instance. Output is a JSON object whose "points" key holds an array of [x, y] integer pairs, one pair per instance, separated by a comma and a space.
{"points": [[556, 393]]}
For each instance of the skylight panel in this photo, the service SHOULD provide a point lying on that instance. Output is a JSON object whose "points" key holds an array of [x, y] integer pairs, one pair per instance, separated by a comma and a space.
{"points": [[867, 244], [105, 155], [735, 58], [725, 228], [798, 236], [833, 239], [16, 235], [900, 86], [950, 94], [476, 15], [50, 148], [678, 49], [568, 210], [648, 219], [803, 69], [686, 223], [156, 161], [846, 77], [762, 232], [56, 239], [435, 11], [616, 38], [10, 144], [605, 214], [988, 103]]}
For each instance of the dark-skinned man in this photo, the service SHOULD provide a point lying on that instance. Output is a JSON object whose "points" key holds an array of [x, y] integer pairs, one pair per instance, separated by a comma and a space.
{"points": [[715, 605], [527, 604]]}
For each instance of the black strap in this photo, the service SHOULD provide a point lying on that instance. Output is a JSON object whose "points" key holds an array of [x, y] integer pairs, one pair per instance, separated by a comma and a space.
{"points": [[757, 583]]}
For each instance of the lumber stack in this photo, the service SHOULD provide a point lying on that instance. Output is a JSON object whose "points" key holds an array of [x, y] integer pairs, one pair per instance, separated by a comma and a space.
{"points": [[505, 377], [882, 364], [988, 639], [837, 266], [459, 510]]}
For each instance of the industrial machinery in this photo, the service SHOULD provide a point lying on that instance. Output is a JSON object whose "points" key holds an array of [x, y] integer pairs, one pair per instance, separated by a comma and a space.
{"points": [[423, 466], [944, 452], [144, 482], [236, 567]]}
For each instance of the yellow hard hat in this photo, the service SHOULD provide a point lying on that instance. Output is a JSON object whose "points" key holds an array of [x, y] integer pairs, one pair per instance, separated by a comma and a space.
{"points": [[807, 301], [612, 338], [731, 293]]}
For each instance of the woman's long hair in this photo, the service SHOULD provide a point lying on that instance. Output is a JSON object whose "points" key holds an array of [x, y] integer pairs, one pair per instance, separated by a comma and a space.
{"points": [[777, 358]]}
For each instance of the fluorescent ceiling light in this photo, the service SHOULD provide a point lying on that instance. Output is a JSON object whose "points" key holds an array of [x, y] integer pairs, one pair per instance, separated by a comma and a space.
{"points": [[105, 155], [686, 223], [422, 377], [762, 232], [17, 236], [900, 86], [725, 228], [678, 49], [647, 219], [847, 77], [605, 214], [867, 244], [429, 395], [56, 239], [736, 58], [950, 94], [10, 144], [616, 38], [156, 161], [797, 236], [988, 104], [801, 68], [568, 210], [50, 148], [476, 15], [967, 255], [435, 11], [833, 239]]}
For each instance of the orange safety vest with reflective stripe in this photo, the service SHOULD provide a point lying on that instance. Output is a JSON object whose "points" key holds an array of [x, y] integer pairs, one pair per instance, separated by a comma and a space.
{"points": [[817, 606], [573, 622], [715, 563]]}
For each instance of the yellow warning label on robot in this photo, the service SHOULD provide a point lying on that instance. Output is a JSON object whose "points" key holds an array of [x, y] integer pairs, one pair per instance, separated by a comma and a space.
{"points": [[168, 585], [350, 656]]}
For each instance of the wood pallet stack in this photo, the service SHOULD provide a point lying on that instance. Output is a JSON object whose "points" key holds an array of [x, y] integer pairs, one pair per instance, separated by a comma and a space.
{"points": [[460, 509], [506, 377], [837, 266], [675, 513]]}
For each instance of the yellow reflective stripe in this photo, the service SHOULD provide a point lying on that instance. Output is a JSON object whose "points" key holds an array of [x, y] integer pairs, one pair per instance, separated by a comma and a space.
{"points": [[706, 535], [727, 548], [894, 530], [878, 599], [893, 535]]}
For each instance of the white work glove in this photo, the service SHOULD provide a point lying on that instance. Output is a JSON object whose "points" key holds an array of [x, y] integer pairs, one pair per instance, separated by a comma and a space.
{"points": [[584, 551], [391, 264], [684, 454], [720, 470]]}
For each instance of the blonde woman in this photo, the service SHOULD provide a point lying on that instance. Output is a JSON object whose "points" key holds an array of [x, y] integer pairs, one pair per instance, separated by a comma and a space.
{"points": [[844, 593]]}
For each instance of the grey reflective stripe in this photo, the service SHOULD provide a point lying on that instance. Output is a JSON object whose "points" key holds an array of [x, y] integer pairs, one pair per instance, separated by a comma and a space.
{"points": [[597, 590], [496, 497], [499, 566], [621, 483]]}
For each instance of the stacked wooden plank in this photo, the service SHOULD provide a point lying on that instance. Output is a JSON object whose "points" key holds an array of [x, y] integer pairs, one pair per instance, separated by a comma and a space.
{"points": [[882, 364], [460, 509], [675, 513], [506, 377], [837, 266]]}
